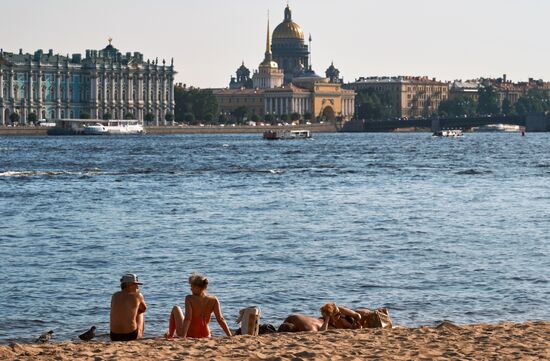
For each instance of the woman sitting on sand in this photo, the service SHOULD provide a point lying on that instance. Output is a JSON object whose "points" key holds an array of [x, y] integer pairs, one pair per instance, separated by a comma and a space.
{"points": [[199, 307], [339, 317]]}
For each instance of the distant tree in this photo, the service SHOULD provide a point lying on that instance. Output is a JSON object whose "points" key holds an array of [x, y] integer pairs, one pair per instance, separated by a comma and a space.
{"points": [[189, 118], [223, 119], [32, 118], [374, 105], [269, 118], [14, 118], [209, 118], [507, 106], [487, 101], [458, 106], [149, 118], [255, 118], [192, 100], [107, 116], [285, 117], [169, 117], [129, 116], [295, 117], [535, 101], [240, 113], [307, 116], [85, 115]]}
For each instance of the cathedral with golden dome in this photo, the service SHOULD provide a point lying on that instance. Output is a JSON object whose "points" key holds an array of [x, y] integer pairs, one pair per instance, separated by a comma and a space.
{"points": [[285, 84]]}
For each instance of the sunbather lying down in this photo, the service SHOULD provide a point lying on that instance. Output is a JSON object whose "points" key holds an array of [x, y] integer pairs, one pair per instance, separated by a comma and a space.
{"points": [[334, 316]]}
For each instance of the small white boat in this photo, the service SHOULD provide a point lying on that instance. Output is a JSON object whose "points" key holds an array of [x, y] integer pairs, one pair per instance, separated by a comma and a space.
{"points": [[448, 133], [286, 134]]}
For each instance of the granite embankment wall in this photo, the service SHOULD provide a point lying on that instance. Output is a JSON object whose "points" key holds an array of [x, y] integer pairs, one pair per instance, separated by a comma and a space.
{"points": [[315, 128]]}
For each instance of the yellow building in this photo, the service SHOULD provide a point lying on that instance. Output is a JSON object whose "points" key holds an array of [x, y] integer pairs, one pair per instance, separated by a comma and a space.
{"points": [[409, 96], [305, 93]]}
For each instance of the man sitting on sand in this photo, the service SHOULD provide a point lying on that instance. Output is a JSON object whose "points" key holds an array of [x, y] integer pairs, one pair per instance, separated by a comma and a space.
{"points": [[127, 308], [301, 323]]}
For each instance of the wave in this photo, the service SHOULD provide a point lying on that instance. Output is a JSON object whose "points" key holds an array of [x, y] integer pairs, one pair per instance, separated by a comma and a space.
{"points": [[31, 173], [473, 172]]}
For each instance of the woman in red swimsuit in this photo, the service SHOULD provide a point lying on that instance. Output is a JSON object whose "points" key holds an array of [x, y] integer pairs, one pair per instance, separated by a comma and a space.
{"points": [[199, 307]]}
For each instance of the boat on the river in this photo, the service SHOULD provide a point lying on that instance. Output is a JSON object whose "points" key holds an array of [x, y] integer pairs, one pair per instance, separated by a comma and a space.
{"points": [[286, 134], [448, 133], [96, 127], [497, 128]]}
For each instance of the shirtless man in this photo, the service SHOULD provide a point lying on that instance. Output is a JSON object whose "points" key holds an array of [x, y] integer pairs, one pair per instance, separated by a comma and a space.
{"points": [[301, 323], [127, 308]]}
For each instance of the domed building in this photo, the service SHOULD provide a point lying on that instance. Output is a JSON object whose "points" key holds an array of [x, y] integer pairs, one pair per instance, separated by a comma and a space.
{"points": [[289, 48], [285, 85]]}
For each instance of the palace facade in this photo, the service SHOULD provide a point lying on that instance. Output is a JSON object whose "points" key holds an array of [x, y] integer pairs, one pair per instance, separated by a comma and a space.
{"points": [[103, 83], [409, 96], [285, 83]]}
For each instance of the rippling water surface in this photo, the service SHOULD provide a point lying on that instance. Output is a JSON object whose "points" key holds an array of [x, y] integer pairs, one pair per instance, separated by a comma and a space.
{"points": [[431, 228]]}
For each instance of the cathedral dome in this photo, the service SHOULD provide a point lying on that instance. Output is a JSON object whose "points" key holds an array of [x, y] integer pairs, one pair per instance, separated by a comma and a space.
{"points": [[288, 29]]}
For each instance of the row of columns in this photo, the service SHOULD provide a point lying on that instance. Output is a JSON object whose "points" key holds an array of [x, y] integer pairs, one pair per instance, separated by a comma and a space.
{"points": [[287, 105], [348, 105]]}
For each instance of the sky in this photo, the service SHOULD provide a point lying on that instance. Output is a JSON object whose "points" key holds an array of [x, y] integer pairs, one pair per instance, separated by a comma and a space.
{"points": [[208, 39]]}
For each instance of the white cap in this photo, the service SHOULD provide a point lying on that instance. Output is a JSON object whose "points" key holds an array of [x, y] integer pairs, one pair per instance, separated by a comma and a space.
{"points": [[130, 278]]}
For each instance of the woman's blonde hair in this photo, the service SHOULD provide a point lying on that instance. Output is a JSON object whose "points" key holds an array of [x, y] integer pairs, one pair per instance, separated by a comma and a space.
{"points": [[329, 309], [196, 279]]}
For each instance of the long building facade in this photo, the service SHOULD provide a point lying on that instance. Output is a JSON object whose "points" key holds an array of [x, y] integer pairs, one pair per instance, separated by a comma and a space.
{"points": [[409, 96], [105, 83]]}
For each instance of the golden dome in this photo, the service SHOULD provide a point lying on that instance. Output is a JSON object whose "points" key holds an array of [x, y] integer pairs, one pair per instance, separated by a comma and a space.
{"points": [[270, 64], [288, 29]]}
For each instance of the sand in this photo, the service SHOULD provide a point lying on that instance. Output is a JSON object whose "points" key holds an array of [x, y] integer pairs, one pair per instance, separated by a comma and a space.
{"points": [[507, 341]]}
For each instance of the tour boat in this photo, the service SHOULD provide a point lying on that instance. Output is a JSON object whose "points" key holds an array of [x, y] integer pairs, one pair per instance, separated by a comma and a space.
{"points": [[114, 127], [96, 127], [287, 134], [448, 133]]}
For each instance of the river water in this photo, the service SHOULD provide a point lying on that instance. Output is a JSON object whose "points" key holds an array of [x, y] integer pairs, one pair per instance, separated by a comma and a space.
{"points": [[433, 229]]}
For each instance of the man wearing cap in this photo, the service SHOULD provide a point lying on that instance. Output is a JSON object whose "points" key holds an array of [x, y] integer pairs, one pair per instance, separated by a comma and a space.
{"points": [[127, 308]]}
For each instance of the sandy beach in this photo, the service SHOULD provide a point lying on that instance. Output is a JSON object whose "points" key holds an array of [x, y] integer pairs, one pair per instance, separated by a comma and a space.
{"points": [[506, 341]]}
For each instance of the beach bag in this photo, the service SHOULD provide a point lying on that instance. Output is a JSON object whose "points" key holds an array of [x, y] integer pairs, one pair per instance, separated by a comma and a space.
{"points": [[267, 328], [249, 318], [379, 318]]}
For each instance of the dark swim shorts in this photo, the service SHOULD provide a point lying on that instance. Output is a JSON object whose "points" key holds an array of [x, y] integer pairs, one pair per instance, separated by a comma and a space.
{"points": [[124, 336]]}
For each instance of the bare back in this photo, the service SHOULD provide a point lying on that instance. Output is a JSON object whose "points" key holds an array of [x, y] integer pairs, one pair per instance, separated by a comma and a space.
{"points": [[201, 306], [304, 323], [125, 308]]}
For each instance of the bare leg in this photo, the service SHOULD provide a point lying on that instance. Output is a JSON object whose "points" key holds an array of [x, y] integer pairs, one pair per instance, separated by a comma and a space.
{"points": [[140, 320], [176, 322]]}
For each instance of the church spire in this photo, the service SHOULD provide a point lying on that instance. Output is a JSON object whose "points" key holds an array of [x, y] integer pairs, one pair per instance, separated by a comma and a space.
{"points": [[268, 39]]}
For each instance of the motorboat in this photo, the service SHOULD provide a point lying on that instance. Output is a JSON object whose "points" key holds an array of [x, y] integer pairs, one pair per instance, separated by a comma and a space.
{"points": [[448, 133], [286, 134]]}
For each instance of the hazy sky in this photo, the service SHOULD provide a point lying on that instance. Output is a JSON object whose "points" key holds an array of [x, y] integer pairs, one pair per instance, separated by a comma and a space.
{"points": [[208, 39]]}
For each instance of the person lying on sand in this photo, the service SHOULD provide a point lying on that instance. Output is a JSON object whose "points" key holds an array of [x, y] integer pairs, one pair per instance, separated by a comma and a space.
{"points": [[199, 307], [300, 323], [127, 308], [335, 316]]}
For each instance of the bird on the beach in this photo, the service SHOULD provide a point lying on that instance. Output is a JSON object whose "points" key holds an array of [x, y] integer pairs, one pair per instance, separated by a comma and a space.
{"points": [[88, 335], [45, 337]]}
